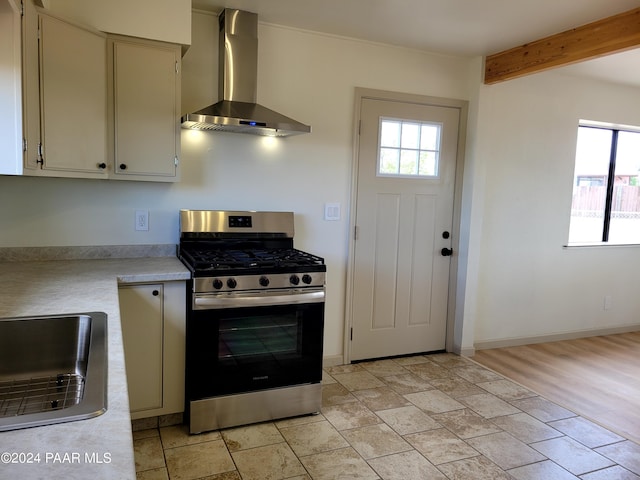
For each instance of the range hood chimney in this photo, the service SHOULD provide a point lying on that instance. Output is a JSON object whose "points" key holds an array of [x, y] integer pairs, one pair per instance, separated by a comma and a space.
{"points": [[237, 110]]}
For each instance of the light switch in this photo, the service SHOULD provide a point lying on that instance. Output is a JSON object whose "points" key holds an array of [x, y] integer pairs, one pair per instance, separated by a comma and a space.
{"points": [[332, 211]]}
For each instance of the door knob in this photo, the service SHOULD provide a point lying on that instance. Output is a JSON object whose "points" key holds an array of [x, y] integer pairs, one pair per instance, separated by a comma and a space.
{"points": [[446, 252]]}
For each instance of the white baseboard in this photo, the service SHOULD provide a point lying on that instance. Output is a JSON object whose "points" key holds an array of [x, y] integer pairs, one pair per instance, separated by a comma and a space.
{"points": [[517, 341], [466, 352], [332, 361]]}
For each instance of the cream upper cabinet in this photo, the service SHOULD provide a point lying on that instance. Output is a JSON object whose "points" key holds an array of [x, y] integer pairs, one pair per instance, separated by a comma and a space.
{"points": [[144, 109], [73, 98], [98, 105], [10, 88], [65, 89]]}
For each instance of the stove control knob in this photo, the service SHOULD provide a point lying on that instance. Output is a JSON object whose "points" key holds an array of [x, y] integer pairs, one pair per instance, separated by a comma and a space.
{"points": [[231, 283], [306, 279], [294, 279], [264, 281], [217, 284]]}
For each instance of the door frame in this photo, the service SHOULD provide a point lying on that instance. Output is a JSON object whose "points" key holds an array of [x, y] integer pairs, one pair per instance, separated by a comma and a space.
{"points": [[453, 315]]}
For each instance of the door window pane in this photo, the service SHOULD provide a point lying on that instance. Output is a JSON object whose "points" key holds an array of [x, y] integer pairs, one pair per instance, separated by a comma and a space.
{"points": [[428, 163], [410, 135], [390, 134], [389, 161], [430, 137], [408, 162], [408, 148]]}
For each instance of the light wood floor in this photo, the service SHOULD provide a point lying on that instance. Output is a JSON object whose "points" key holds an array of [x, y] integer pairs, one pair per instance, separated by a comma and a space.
{"points": [[596, 377]]}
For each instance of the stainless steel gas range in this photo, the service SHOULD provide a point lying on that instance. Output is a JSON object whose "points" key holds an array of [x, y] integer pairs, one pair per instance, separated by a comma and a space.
{"points": [[255, 319]]}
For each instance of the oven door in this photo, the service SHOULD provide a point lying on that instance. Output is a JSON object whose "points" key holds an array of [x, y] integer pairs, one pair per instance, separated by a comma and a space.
{"points": [[243, 349]]}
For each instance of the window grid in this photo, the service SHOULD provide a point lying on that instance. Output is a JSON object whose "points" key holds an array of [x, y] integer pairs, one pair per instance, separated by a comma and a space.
{"points": [[408, 148]]}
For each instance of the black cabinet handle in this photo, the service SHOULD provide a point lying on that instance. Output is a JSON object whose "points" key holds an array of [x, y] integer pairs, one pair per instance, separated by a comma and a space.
{"points": [[102, 166], [446, 252], [123, 166], [155, 293]]}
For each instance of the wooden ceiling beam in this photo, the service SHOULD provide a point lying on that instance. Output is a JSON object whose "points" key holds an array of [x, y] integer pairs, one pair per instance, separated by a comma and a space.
{"points": [[609, 35]]}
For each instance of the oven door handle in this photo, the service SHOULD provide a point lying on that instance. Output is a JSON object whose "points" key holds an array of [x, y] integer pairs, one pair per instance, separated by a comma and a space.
{"points": [[210, 302]]}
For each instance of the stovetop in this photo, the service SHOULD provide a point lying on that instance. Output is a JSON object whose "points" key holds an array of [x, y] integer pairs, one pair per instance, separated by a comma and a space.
{"points": [[207, 261], [218, 243]]}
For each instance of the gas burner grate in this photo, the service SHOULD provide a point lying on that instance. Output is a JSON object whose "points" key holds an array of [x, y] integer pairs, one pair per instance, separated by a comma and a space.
{"points": [[204, 259], [40, 394]]}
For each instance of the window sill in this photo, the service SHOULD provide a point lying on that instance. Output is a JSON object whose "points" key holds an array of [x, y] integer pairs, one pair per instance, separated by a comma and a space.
{"points": [[599, 244]]}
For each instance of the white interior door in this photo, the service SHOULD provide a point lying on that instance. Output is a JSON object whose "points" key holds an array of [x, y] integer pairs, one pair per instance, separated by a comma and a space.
{"points": [[404, 208]]}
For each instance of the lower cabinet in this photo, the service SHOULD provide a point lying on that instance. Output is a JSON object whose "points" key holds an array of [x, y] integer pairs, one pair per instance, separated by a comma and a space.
{"points": [[153, 331]]}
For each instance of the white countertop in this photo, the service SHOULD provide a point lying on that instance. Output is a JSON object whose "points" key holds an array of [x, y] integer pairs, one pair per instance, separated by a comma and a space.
{"points": [[100, 447]]}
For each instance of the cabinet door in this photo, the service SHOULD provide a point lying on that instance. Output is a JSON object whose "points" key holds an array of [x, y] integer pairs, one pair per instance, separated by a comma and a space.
{"points": [[73, 98], [30, 88], [174, 313], [10, 88], [146, 108], [142, 331]]}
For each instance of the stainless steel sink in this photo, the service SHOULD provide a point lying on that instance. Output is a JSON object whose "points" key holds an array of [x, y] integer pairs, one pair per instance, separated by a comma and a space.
{"points": [[53, 369]]}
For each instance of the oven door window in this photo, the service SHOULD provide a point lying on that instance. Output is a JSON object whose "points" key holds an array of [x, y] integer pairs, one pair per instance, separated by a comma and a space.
{"points": [[245, 349], [247, 337]]}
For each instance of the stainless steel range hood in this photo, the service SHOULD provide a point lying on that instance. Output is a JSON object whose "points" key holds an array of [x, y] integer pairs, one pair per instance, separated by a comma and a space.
{"points": [[237, 110]]}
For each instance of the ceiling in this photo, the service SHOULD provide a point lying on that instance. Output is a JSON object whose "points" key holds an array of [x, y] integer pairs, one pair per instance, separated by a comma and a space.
{"points": [[455, 27]]}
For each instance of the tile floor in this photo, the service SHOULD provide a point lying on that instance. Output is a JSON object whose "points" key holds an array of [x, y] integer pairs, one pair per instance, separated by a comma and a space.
{"points": [[423, 417]]}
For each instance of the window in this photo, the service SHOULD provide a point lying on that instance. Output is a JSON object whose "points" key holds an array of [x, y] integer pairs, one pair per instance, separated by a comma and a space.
{"points": [[606, 187], [408, 148]]}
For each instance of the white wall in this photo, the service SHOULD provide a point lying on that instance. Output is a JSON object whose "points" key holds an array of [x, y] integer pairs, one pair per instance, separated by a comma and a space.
{"points": [[528, 284], [306, 76]]}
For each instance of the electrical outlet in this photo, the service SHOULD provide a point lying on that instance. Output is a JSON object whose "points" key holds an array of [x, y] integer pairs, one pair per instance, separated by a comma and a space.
{"points": [[142, 220], [607, 303]]}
